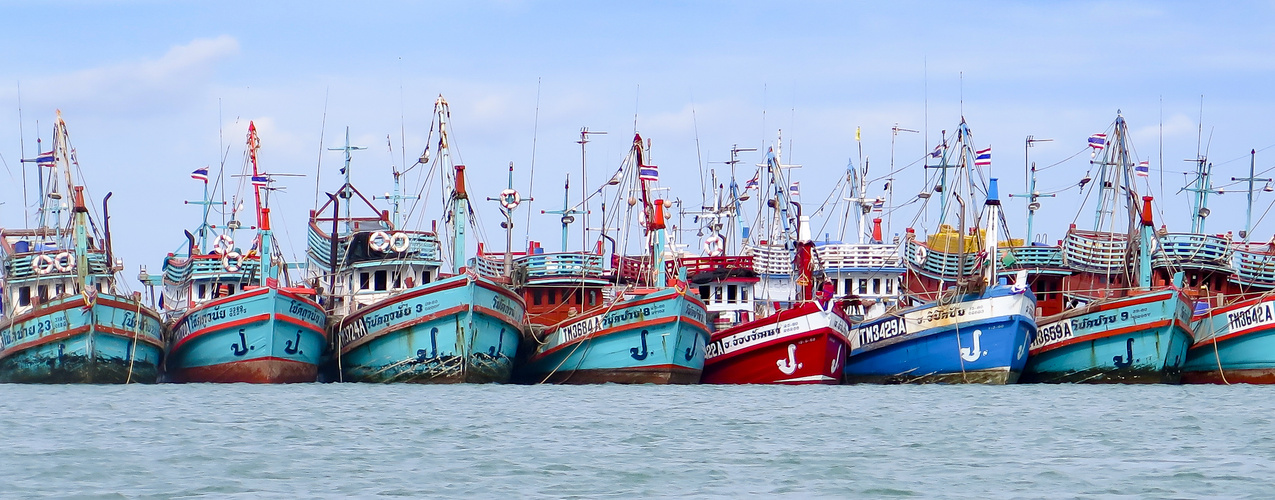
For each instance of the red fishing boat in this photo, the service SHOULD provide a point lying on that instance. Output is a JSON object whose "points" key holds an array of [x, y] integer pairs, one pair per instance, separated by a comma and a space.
{"points": [[803, 342]]}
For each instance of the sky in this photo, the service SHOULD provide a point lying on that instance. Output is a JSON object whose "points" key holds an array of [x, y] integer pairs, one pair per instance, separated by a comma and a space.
{"points": [[152, 90]]}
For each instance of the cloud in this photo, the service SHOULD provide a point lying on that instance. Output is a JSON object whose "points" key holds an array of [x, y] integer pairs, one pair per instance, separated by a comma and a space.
{"points": [[147, 86]]}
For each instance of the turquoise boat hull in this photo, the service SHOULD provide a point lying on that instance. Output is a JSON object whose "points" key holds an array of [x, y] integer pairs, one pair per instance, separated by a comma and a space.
{"points": [[462, 329], [1234, 344], [263, 335], [107, 340], [655, 338], [1138, 339]]}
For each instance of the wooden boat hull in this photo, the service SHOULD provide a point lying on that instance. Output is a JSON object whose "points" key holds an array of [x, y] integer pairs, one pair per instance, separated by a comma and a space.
{"points": [[1235, 345], [981, 339], [802, 345], [1138, 339], [263, 336], [108, 340], [462, 329], [658, 338]]}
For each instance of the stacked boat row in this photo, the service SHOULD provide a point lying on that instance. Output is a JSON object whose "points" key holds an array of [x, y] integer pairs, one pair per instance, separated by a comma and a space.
{"points": [[763, 303]]}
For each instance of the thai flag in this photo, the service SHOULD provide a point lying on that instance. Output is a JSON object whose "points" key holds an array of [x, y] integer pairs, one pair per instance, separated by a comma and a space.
{"points": [[752, 183], [1098, 141], [260, 180], [200, 174], [878, 204], [1143, 169], [983, 157], [794, 189], [649, 172], [938, 151], [45, 159]]}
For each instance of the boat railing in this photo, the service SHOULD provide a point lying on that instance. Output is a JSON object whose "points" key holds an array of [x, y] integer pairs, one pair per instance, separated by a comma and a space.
{"points": [[771, 259], [489, 265], [1253, 267], [695, 265], [1193, 250], [421, 245], [1035, 257], [1097, 252], [21, 267], [563, 264], [945, 265], [838, 256], [210, 265]]}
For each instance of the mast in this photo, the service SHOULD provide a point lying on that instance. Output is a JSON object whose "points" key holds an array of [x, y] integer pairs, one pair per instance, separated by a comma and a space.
{"points": [[1248, 213], [509, 200], [992, 207], [258, 182], [1148, 235], [568, 214], [345, 171]]}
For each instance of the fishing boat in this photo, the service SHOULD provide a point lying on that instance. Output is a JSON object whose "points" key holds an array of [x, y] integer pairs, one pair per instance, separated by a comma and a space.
{"points": [[801, 342], [978, 330], [1234, 325], [647, 328], [1124, 322], [397, 318], [234, 316], [65, 318]]}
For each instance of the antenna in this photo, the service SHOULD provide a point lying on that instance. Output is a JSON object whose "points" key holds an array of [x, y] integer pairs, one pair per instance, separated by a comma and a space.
{"points": [[584, 181], [889, 182]]}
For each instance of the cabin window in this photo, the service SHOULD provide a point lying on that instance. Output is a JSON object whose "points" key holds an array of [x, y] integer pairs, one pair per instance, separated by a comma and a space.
{"points": [[743, 294], [549, 295], [849, 288], [381, 280], [60, 288], [24, 296], [593, 298], [876, 286], [579, 296], [43, 292], [230, 289], [398, 279], [863, 286], [732, 293], [703, 293], [365, 281], [889, 287], [535, 296], [203, 290], [99, 286], [717, 294], [425, 277]]}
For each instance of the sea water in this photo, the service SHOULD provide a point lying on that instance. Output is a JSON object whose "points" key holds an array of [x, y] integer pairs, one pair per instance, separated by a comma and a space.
{"points": [[356, 440]]}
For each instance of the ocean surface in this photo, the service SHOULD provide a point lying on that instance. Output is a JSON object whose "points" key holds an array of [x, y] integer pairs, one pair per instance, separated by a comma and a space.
{"points": [[353, 440]]}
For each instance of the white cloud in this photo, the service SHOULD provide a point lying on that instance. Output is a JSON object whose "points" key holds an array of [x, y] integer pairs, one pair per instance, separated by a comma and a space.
{"points": [[138, 87]]}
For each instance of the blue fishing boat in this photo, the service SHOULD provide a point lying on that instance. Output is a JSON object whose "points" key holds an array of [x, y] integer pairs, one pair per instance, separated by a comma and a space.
{"points": [[234, 317], [397, 319], [647, 328], [976, 331], [1125, 323], [65, 319]]}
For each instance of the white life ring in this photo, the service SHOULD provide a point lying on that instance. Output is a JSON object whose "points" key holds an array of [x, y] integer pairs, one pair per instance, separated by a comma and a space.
{"points": [[224, 243], [42, 264], [379, 241], [64, 262], [399, 242], [713, 246], [235, 266], [919, 255], [509, 199]]}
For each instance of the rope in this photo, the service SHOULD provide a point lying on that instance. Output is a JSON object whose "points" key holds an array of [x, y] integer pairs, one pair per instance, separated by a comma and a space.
{"points": [[132, 355], [587, 340]]}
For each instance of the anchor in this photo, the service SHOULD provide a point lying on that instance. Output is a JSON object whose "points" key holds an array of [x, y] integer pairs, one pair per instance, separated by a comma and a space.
{"points": [[972, 354], [293, 347], [236, 349], [790, 365], [690, 351], [1128, 360], [633, 351]]}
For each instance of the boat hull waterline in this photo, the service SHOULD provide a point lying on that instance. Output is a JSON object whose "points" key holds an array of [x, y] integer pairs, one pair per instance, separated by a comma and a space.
{"points": [[103, 340], [462, 329], [1138, 339], [977, 340], [657, 338], [802, 345], [263, 335]]}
